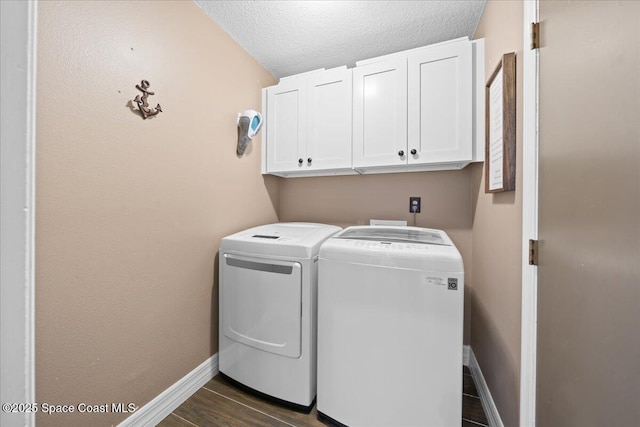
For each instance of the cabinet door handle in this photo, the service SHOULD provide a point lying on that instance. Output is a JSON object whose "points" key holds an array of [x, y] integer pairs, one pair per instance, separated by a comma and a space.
{"points": [[309, 160], [414, 151], [400, 153], [300, 161]]}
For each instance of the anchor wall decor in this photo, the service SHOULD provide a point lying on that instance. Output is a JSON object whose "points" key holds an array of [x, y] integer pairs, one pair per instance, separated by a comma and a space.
{"points": [[143, 105]]}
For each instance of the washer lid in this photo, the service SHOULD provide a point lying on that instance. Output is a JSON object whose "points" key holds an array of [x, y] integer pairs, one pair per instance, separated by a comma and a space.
{"points": [[394, 234], [398, 247]]}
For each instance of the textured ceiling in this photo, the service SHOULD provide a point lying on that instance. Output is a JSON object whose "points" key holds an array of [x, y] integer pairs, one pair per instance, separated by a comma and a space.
{"points": [[290, 37]]}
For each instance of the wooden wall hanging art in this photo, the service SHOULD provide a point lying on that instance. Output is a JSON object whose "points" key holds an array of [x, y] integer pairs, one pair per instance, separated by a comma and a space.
{"points": [[500, 129]]}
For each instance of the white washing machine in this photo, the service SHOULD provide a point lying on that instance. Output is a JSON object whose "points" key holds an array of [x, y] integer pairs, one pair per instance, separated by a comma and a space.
{"points": [[268, 288], [390, 325]]}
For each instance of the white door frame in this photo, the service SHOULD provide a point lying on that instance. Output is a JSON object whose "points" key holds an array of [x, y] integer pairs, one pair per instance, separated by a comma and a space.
{"points": [[17, 204], [528, 349]]}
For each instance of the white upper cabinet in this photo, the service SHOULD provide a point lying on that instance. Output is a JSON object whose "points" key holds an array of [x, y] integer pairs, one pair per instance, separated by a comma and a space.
{"points": [[286, 125], [380, 113], [308, 122], [329, 105], [417, 110], [440, 104]]}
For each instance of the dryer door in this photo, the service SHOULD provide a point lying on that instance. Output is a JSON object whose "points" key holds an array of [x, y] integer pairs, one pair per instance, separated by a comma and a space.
{"points": [[261, 303]]}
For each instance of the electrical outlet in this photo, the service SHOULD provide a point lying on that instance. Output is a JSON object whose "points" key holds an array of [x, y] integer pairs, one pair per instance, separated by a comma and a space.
{"points": [[414, 204]]}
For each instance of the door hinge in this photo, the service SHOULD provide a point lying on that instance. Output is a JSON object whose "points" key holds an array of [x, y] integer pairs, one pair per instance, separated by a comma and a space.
{"points": [[533, 252], [535, 35]]}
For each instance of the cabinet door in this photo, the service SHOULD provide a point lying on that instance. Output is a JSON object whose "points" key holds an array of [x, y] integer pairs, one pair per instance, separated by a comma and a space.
{"points": [[380, 113], [440, 104], [329, 120], [286, 125]]}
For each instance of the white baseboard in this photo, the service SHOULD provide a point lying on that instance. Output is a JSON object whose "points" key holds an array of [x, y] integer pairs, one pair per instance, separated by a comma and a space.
{"points": [[465, 354], [489, 406], [163, 404]]}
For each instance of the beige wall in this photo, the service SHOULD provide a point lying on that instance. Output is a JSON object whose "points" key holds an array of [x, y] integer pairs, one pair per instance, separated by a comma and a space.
{"points": [[354, 200], [130, 211], [497, 233]]}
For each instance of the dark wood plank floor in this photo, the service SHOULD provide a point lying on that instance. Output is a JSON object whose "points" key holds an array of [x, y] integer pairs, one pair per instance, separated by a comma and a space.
{"points": [[219, 403]]}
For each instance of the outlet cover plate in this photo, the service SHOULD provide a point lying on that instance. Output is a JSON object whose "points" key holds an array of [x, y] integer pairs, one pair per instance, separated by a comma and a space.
{"points": [[414, 201]]}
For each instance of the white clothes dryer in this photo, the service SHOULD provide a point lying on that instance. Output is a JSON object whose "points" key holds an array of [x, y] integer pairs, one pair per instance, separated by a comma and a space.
{"points": [[268, 310], [390, 325]]}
